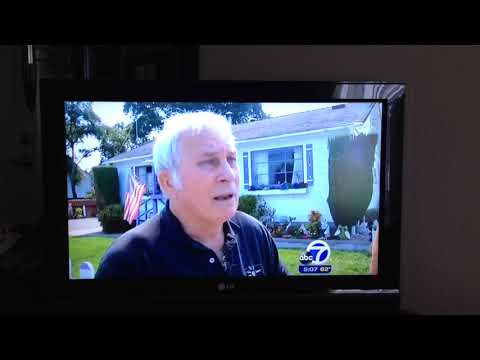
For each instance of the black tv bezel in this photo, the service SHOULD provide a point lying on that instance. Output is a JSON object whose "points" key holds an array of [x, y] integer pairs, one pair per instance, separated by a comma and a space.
{"points": [[53, 94]]}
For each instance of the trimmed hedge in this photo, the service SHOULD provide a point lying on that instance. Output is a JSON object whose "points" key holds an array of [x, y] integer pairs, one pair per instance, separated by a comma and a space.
{"points": [[350, 177], [106, 186]]}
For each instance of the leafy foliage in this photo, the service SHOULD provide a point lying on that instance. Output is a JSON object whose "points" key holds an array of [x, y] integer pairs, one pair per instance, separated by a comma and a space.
{"points": [[115, 140], [265, 213], [111, 218], [313, 226], [248, 204], [151, 115], [80, 122]]}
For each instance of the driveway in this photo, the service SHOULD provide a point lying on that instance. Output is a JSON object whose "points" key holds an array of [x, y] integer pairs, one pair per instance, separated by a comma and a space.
{"points": [[85, 226]]}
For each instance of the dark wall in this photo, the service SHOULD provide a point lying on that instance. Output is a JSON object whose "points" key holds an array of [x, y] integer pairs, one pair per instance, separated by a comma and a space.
{"points": [[441, 239], [20, 144], [20, 180]]}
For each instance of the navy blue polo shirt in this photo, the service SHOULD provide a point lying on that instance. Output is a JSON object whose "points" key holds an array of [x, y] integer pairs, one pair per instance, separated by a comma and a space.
{"points": [[160, 247]]}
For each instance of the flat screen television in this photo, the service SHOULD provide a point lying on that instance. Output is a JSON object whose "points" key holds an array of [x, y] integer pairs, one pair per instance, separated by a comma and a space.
{"points": [[319, 167]]}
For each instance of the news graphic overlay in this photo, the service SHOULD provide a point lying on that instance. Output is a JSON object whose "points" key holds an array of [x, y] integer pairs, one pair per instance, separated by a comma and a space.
{"points": [[314, 259]]}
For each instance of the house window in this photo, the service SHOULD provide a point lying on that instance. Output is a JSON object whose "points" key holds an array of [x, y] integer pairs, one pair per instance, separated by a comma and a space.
{"points": [[277, 166], [146, 175]]}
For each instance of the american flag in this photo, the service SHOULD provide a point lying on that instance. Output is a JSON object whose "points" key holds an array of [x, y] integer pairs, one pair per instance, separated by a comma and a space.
{"points": [[133, 200]]}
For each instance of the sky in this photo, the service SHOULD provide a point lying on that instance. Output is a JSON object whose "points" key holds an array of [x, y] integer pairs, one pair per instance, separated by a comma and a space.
{"points": [[277, 109], [111, 113]]}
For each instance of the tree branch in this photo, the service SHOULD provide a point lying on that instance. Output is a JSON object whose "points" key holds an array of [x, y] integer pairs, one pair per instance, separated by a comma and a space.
{"points": [[86, 153]]}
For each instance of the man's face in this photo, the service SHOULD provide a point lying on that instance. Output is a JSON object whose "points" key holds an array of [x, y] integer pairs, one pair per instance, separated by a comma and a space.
{"points": [[209, 176]]}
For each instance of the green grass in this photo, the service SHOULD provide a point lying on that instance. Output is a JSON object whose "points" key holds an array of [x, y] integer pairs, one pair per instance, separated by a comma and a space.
{"points": [[86, 249], [343, 262]]}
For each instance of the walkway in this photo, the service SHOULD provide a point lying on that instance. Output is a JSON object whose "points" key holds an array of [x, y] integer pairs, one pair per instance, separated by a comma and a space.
{"points": [[343, 245]]}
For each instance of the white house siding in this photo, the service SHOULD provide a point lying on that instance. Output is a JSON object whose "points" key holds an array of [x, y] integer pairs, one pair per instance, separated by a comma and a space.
{"points": [[297, 205], [123, 169]]}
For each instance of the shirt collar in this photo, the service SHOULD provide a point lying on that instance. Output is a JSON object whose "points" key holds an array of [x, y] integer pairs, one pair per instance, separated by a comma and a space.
{"points": [[172, 226]]}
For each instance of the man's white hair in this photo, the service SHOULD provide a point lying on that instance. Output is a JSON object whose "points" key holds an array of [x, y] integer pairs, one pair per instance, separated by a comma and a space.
{"points": [[166, 151]]}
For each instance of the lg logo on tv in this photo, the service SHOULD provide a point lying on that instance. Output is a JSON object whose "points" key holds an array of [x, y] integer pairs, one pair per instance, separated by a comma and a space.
{"points": [[225, 286]]}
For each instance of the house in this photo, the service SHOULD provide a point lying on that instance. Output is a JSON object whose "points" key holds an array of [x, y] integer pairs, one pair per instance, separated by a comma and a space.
{"points": [[83, 188], [291, 148], [138, 161], [294, 149]]}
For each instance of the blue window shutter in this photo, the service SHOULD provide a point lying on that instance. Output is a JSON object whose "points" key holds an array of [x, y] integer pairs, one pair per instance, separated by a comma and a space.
{"points": [[309, 164], [245, 171]]}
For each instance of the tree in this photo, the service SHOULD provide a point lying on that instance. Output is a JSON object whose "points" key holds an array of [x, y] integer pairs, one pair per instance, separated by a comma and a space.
{"points": [[350, 177], [75, 173], [150, 116], [80, 122], [115, 140]]}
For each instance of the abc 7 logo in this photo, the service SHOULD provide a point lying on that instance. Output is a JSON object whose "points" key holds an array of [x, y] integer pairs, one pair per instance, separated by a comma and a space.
{"points": [[306, 258], [317, 253]]}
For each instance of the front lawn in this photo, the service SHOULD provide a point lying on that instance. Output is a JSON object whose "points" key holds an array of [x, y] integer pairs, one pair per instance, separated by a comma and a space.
{"points": [[86, 249], [343, 262]]}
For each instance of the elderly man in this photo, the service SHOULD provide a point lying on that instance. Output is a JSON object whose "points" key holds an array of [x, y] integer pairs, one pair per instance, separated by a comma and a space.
{"points": [[199, 233]]}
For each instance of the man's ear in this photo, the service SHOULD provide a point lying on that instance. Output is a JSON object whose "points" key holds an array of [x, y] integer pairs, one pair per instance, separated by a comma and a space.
{"points": [[166, 183]]}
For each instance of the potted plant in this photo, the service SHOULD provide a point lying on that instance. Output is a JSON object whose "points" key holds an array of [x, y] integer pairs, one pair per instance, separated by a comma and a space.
{"points": [[78, 213]]}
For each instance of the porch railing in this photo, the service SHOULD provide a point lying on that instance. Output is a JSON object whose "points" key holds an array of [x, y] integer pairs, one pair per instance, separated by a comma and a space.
{"points": [[150, 207]]}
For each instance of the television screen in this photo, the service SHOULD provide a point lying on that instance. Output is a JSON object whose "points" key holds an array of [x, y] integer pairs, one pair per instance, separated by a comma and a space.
{"points": [[229, 181]]}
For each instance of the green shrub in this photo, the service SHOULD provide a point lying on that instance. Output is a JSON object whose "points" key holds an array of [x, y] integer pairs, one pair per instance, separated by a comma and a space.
{"points": [[111, 218], [265, 214], [258, 208], [314, 226], [106, 186], [248, 204], [293, 230], [110, 212]]}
